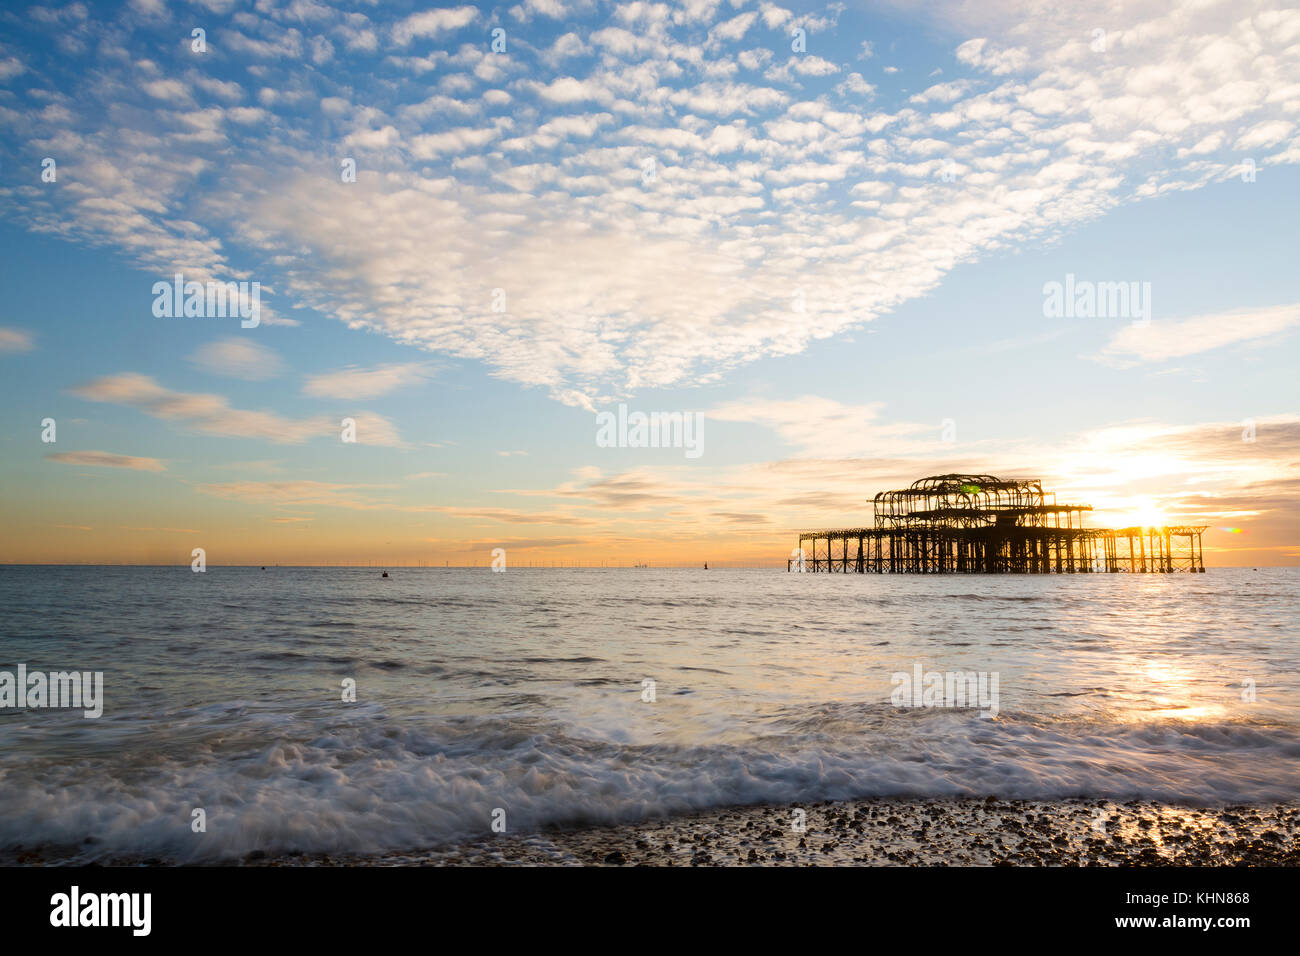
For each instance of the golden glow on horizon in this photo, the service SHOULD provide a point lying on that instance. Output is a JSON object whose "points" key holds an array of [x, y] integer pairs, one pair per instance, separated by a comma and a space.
{"points": [[1144, 513], [730, 515]]}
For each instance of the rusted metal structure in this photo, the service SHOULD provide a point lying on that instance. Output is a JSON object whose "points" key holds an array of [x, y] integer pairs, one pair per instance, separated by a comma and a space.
{"points": [[981, 524]]}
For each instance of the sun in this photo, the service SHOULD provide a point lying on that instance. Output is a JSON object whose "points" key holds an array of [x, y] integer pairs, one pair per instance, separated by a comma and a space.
{"points": [[1146, 513]]}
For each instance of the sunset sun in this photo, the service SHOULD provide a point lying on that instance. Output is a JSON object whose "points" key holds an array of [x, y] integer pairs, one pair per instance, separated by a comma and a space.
{"points": [[1145, 513]]}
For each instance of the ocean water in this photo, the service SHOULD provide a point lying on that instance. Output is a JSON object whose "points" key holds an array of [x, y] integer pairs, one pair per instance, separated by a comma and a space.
{"points": [[525, 692]]}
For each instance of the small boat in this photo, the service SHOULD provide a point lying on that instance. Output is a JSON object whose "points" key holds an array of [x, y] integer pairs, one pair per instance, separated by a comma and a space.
{"points": [[384, 575]]}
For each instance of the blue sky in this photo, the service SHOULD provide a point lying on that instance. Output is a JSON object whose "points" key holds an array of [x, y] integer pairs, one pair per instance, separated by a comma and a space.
{"points": [[827, 243]]}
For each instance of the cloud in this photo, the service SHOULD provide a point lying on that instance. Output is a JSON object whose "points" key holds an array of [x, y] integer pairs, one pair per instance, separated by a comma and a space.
{"points": [[151, 8], [551, 9], [570, 44], [430, 23], [213, 414], [104, 459], [825, 428], [363, 383], [162, 530], [1200, 473], [567, 89], [510, 515], [735, 28], [623, 276], [981, 55], [1158, 341], [238, 358], [173, 90], [513, 544], [335, 494], [10, 67], [15, 340]]}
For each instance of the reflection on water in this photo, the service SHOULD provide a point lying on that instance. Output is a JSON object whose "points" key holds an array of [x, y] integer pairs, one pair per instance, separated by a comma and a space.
{"points": [[526, 688]]}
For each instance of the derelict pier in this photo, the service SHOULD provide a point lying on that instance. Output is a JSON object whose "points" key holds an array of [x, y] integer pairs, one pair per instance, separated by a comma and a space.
{"points": [[979, 524]]}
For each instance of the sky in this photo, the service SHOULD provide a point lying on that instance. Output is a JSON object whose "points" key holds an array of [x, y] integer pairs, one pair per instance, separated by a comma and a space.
{"points": [[829, 237]]}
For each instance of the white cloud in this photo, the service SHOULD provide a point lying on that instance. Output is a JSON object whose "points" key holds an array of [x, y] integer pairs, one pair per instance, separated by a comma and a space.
{"points": [[173, 90], [735, 28], [551, 9], [1158, 341], [826, 428], [365, 383], [855, 85], [452, 141], [429, 23], [568, 89], [238, 358], [213, 414], [518, 174], [568, 45]]}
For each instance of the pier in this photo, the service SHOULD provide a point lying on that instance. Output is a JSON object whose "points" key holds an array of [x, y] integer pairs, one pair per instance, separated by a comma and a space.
{"points": [[979, 524]]}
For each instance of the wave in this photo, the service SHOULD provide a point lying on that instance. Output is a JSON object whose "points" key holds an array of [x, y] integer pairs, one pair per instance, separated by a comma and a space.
{"points": [[280, 783]]}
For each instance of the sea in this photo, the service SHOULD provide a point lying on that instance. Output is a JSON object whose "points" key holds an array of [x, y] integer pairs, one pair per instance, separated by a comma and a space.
{"points": [[332, 710]]}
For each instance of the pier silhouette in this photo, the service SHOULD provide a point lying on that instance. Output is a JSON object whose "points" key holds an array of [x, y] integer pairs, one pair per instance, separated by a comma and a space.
{"points": [[979, 524]]}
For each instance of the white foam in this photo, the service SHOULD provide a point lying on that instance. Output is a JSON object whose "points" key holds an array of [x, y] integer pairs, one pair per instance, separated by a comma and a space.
{"points": [[379, 783]]}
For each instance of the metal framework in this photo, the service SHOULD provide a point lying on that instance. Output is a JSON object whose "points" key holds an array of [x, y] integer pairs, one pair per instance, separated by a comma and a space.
{"points": [[981, 524]]}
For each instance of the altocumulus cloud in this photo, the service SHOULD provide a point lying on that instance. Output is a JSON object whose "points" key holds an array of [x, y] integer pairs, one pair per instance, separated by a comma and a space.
{"points": [[647, 207]]}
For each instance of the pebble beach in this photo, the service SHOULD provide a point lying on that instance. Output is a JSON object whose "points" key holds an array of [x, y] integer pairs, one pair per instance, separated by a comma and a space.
{"points": [[970, 832]]}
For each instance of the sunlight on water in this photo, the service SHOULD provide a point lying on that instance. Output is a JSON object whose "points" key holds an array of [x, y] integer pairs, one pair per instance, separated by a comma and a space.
{"points": [[527, 689]]}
